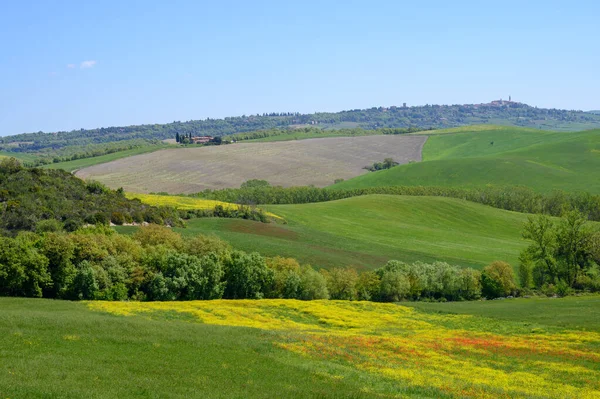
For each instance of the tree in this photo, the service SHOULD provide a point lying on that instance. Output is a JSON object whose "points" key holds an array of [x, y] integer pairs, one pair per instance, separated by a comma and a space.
{"points": [[286, 278], [255, 183], [525, 271], [152, 235], [23, 270], [540, 231], [341, 283], [368, 286], [573, 246], [394, 286], [85, 285], [10, 165], [247, 276], [497, 280], [313, 284], [59, 249]]}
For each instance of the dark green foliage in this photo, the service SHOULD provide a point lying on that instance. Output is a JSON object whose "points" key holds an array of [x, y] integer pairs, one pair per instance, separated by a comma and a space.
{"points": [[247, 276], [392, 120], [562, 253], [255, 183], [387, 163], [50, 200], [497, 280], [23, 269]]}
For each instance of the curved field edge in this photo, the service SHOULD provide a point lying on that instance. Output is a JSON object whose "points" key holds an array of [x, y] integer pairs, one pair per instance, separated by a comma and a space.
{"points": [[458, 355], [544, 161]]}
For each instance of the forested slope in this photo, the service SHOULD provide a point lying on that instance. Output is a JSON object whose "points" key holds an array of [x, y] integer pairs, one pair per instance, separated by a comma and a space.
{"points": [[40, 199]]}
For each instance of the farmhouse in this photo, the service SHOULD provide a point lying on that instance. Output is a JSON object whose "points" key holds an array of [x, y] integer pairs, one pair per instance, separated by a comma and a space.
{"points": [[201, 139]]}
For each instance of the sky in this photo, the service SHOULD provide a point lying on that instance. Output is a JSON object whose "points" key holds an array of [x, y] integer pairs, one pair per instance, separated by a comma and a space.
{"points": [[68, 65]]}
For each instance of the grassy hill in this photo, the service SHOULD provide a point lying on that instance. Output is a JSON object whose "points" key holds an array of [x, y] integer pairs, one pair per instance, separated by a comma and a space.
{"points": [[365, 232], [479, 156], [298, 349]]}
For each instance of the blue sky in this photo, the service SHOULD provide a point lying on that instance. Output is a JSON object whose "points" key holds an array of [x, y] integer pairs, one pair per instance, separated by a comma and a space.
{"points": [[76, 64]]}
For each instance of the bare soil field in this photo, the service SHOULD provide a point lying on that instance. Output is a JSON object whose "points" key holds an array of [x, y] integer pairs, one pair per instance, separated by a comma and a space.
{"points": [[288, 163]]}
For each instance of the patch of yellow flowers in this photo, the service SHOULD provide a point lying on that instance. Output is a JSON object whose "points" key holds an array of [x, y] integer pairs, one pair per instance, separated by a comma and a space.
{"points": [[455, 354], [185, 203]]}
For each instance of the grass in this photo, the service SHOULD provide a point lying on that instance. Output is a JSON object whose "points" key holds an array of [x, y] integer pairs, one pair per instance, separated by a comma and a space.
{"points": [[71, 166], [290, 163], [288, 349], [365, 232], [59, 349], [466, 157], [581, 313], [18, 155]]}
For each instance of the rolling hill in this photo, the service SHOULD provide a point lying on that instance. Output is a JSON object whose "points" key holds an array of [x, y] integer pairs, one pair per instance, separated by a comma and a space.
{"points": [[303, 162], [365, 232], [423, 117], [479, 156]]}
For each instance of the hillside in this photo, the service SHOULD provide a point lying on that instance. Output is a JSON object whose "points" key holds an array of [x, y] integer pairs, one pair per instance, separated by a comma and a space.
{"points": [[365, 232], [299, 349], [423, 117], [477, 157], [28, 197], [304, 162]]}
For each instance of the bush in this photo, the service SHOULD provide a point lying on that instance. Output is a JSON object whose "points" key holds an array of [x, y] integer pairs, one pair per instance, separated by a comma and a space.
{"points": [[497, 280], [563, 288]]}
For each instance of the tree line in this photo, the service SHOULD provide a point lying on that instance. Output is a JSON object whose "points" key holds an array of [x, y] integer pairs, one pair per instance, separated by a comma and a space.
{"points": [[512, 198], [159, 264], [72, 153], [418, 117]]}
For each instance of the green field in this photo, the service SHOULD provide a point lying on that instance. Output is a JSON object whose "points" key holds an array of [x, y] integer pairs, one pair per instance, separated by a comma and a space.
{"points": [[466, 157], [19, 155], [60, 349], [575, 313], [71, 166], [365, 232], [298, 349]]}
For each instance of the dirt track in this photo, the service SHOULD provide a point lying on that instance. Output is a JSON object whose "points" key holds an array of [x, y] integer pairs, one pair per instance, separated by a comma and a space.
{"points": [[287, 163]]}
